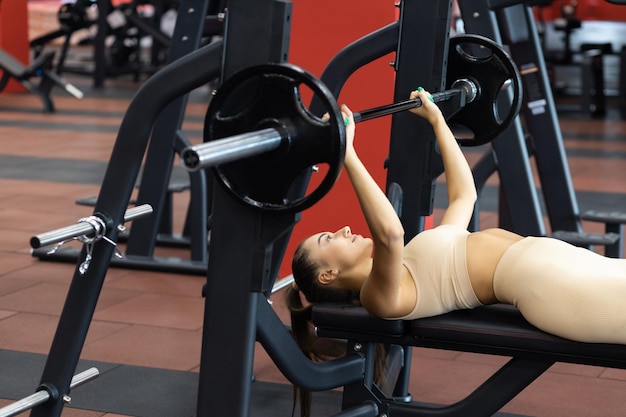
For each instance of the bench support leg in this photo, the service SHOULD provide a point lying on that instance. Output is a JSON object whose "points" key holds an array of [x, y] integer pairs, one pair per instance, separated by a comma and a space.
{"points": [[487, 399]]}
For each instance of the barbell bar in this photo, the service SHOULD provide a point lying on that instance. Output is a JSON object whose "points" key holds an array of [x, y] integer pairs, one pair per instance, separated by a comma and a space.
{"points": [[43, 395], [208, 154], [260, 138], [459, 86], [221, 151]]}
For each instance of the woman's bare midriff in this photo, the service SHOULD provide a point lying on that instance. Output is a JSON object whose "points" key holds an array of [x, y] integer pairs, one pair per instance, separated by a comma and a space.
{"points": [[484, 250]]}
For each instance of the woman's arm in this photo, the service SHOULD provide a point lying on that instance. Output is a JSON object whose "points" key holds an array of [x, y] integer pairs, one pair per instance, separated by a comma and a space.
{"points": [[381, 290], [459, 178]]}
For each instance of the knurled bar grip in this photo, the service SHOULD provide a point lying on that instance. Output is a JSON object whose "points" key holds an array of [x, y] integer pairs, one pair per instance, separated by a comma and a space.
{"points": [[459, 86], [83, 228], [230, 149], [401, 106], [42, 396]]}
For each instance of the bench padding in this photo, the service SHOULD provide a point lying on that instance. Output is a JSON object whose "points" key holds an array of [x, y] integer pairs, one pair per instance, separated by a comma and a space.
{"points": [[499, 330]]}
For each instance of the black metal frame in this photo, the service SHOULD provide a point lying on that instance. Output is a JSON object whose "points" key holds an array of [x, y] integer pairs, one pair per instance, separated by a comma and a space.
{"points": [[166, 140], [512, 23], [171, 83], [248, 244], [519, 204], [40, 68], [155, 189]]}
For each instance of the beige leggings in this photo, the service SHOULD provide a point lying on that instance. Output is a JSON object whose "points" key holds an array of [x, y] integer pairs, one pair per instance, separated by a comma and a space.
{"points": [[564, 290]]}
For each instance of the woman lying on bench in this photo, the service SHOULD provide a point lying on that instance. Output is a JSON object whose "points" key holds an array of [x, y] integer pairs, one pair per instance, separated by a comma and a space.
{"points": [[565, 290]]}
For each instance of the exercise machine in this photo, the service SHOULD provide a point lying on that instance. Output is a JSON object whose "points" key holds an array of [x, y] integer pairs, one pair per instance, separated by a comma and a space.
{"points": [[237, 296], [72, 17], [41, 68], [158, 185], [123, 26], [178, 78], [247, 240], [513, 22], [251, 225]]}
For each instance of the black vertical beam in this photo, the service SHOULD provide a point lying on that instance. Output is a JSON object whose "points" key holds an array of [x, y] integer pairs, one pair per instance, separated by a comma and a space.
{"points": [[256, 32], [241, 252], [421, 60], [160, 156], [413, 163], [169, 83], [99, 46], [519, 32], [519, 207]]}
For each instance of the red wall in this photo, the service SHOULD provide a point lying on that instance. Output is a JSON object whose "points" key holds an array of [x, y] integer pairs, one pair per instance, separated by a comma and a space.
{"points": [[14, 34], [320, 29]]}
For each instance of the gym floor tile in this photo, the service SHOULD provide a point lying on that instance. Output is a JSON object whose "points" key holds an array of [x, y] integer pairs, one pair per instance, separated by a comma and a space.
{"points": [[160, 347], [155, 282], [477, 358], [48, 298], [177, 312], [576, 369], [5, 314], [28, 332], [36, 272], [14, 240], [10, 285], [561, 395], [45, 298], [610, 373]]}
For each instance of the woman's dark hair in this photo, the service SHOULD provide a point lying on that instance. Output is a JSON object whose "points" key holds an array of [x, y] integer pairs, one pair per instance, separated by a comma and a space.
{"points": [[305, 272]]}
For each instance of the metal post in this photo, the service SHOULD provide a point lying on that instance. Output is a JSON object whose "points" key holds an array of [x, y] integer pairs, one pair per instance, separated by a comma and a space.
{"points": [[157, 169], [519, 208], [171, 82], [413, 163], [242, 238], [518, 30]]}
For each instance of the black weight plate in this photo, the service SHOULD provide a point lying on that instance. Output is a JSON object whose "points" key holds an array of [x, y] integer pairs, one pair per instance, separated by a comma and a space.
{"points": [[485, 63], [269, 96]]}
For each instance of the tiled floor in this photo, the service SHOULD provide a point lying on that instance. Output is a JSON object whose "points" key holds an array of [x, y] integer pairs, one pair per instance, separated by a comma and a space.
{"points": [[152, 319]]}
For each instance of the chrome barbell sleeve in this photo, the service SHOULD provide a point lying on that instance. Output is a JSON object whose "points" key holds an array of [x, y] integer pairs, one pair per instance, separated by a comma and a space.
{"points": [[230, 149]]}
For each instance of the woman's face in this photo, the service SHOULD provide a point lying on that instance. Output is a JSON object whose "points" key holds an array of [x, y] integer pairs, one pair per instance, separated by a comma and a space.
{"points": [[338, 250]]}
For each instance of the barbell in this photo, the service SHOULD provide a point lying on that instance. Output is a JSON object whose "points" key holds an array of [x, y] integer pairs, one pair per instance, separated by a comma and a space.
{"points": [[260, 137], [463, 86]]}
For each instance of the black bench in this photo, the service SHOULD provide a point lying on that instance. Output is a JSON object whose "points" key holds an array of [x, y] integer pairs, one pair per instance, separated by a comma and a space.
{"points": [[494, 330], [39, 68]]}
